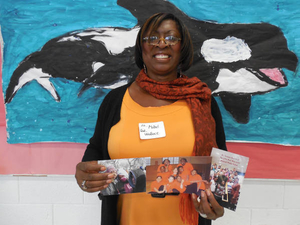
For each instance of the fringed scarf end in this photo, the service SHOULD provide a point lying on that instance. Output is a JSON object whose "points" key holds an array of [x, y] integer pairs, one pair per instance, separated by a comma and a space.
{"points": [[188, 213]]}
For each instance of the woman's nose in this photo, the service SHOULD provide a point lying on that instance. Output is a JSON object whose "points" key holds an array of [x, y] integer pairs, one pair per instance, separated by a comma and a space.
{"points": [[162, 43]]}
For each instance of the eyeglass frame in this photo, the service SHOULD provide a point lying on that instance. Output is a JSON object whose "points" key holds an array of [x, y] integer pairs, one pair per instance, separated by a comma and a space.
{"points": [[146, 39]]}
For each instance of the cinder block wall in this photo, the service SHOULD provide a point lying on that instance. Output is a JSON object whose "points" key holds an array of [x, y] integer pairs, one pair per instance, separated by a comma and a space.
{"points": [[57, 200]]}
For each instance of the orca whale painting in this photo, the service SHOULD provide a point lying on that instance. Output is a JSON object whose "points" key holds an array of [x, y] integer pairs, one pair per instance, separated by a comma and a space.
{"points": [[62, 58]]}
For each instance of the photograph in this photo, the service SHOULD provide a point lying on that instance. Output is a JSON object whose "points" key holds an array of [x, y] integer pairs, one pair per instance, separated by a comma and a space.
{"points": [[226, 177], [174, 175], [129, 175]]}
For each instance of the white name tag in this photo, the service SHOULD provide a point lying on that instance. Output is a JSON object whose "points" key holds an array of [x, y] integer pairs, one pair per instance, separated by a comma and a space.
{"points": [[152, 130]]}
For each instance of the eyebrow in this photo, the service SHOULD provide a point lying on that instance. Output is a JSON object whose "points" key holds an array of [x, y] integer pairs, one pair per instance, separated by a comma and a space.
{"points": [[167, 32]]}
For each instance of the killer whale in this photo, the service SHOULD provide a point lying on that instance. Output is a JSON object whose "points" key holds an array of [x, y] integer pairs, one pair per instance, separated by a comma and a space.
{"points": [[98, 64], [87, 56]]}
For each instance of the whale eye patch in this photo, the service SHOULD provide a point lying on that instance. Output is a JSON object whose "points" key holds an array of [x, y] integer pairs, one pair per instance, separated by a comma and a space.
{"points": [[154, 40]]}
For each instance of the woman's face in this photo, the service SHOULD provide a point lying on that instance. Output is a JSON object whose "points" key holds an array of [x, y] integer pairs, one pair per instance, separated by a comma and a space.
{"points": [[194, 172], [166, 162], [158, 179], [162, 61], [171, 179], [122, 178], [183, 162]]}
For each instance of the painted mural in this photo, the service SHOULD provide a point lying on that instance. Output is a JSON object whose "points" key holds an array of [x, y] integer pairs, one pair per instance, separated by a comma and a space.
{"points": [[61, 59]]}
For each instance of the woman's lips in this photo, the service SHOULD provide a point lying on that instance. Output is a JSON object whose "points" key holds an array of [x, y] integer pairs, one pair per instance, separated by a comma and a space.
{"points": [[161, 56]]}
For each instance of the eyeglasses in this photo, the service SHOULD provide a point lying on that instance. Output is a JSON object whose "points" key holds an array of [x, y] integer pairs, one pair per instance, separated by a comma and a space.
{"points": [[154, 40]]}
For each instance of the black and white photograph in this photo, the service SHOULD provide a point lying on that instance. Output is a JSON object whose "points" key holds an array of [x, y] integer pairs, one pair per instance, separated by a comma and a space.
{"points": [[129, 175]]}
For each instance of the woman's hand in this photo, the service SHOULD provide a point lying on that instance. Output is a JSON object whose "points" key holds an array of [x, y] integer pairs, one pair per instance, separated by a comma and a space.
{"points": [[89, 179], [208, 207]]}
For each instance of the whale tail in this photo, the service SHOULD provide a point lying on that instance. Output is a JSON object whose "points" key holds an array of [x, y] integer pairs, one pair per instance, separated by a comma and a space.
{"points": [[25, 73], [16, 81]]}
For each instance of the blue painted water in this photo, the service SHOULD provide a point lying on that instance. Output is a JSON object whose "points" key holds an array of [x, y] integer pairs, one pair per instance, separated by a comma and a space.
{"points": [[33, 115]]}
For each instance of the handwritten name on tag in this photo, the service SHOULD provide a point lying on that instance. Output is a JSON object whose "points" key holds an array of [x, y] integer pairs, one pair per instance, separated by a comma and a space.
{"points": [[152, 130]]}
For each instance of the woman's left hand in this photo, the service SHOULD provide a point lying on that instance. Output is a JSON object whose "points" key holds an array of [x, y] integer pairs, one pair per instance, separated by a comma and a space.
{"points": [[208, 207]]}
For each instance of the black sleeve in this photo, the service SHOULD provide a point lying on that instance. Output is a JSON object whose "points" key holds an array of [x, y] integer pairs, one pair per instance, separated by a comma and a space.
{"points": [[220, 134], [108, 116], [203, 221], [94, 149]]}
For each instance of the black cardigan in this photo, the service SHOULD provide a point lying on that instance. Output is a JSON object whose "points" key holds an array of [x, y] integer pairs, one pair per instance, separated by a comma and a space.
{"points": [[108, 116]]}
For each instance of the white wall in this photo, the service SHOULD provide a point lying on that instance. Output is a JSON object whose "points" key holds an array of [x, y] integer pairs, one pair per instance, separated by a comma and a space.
{"points": [[57, 200]]}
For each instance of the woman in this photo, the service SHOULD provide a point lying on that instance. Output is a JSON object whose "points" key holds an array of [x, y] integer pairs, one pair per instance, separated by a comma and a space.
{"points": [[180, 184], [212, 182], [186, 165], [220, 191], [167, 165], [159, 93], [123, 185], [158, 186], [185, 174], [171, 185], [235, 192], [196, 178], [164, 175], [175, 172]]}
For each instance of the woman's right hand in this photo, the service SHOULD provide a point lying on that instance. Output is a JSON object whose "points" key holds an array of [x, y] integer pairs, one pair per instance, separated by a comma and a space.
{"points": [[89, 179], [208, 207]]}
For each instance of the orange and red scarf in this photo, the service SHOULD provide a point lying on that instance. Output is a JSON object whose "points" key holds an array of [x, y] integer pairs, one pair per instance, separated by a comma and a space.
{"points": [[198, 97]]}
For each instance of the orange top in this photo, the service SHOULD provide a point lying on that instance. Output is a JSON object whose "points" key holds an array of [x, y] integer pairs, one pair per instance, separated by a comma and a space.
{"points": [[156, 185], [178, 187], [197, 178], [171, 186], [187, 166], [164, 177], [124, 142], [185, 175], [170, 168]]}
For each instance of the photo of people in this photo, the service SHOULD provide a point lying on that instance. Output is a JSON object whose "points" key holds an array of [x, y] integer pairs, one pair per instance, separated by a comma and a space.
{"points": [[226, 177], [173, 175], [225, 184], [129, 175]]}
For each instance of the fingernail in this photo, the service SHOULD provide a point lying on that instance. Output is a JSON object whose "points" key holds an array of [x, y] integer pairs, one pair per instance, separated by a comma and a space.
{"points": [[108, 181], [202, 194], [110, 175], [102, 168], [208, 192], [198, 199]]}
